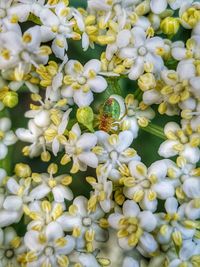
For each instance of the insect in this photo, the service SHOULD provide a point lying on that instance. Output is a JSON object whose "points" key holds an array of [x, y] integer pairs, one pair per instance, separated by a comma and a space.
{"points": [[110, 113]]}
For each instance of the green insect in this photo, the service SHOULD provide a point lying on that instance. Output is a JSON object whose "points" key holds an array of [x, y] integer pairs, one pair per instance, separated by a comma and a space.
{"points": [[111, 111]]}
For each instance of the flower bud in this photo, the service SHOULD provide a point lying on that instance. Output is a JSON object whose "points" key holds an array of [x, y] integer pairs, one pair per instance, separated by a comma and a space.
{"points": [[22, 170], [147, 81], [170, 25], [85, 116], [10, 99]]}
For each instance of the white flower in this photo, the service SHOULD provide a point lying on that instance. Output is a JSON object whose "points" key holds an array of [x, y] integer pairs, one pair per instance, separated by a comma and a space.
{"points": [[160, 6], [144, 53], [10, 209], [7, 137], [55, 133], [172, 224], [188, 254], [81, 81], [185, 176], [57, 27], [10, 247], [134, 227], [102, 189], [192, 209], [53, 249], [114, 150], [78, 147], [33, 135], [55, 185], [83, 222], [25, 81], [42, 213], [22, 51], [180, 52], [146, 186], [180, 142], [117, 10]]}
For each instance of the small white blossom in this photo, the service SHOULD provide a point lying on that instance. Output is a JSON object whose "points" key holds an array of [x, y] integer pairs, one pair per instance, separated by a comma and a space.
{"points": [[134, 227], [180, 143], [7, 137], [78, 147], [81, 81], [11, 247], [83, 222], [54, 248], [114, 150]]}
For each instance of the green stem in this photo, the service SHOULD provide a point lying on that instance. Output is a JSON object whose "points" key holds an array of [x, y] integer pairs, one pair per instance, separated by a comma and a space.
{"points": [[155, 130]]}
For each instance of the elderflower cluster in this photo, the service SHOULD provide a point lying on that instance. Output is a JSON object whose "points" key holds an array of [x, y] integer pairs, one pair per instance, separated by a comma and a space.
{"points": [[79, 86]]}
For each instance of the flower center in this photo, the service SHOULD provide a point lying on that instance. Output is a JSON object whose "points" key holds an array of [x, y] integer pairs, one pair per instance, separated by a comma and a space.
{"points": [[142, 51], [130, 112], [81, 80], [87, 221], [114, 155], [49, 251], [9, 253]]}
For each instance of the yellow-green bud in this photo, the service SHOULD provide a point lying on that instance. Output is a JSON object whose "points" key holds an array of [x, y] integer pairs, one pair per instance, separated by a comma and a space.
{"points": [[22, 170], [85, 116], [170, 25], [10, 99]]}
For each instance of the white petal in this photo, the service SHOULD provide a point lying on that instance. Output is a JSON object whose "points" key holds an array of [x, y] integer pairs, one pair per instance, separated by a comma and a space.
{"points": [[61, 193], [163, 190], [148, 221], [9, 217], [137, 69], [123, 38], [195, 82], [31, 240], [88, 260], [153, 43], [94, 65], [139, 36], [166, 149], [171, 205], [13, 203], [114, 219], [179, 53], [130, 209], [125, 140], [89, 158], [148, 243], [191, 187], [68, 222], [191, 154], [186, 69], [5, 124], [83, 99], [40, 191], [187, 250], [86, 141], [59, 51], [97, 84], [130, 262], [158, 6], [54, 231], [81, 203], [70, 244]]}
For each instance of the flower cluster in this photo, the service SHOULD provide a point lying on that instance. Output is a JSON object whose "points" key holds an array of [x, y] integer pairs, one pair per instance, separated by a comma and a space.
{"points": [[95, 196]]}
